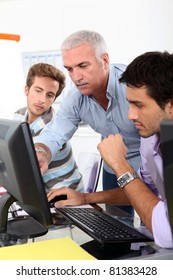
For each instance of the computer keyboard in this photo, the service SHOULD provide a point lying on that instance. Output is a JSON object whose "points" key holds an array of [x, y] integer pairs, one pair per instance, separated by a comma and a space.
{"points": [[102, 227]]}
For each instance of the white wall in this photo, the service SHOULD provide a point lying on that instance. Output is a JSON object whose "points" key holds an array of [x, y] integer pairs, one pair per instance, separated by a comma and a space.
{"points": [[130, 28]]}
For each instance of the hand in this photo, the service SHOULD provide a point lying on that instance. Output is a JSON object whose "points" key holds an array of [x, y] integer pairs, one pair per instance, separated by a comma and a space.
{"points": [[74, 198], [113, 150]]}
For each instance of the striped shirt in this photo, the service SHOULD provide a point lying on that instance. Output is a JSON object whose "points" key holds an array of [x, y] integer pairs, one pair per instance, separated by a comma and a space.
{"points": [[62, 171]]}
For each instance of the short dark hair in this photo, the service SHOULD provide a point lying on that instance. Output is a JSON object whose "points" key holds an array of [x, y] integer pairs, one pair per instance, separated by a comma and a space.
{"points": [[153, 70], [46, 70]]}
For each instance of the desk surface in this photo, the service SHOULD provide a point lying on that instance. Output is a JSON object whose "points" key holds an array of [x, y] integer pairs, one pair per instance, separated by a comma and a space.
{"points": [[140, 251], [149, 251]]}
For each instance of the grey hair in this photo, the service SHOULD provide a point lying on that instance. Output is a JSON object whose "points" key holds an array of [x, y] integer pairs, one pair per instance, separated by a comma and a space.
{"points": [[94, 39]]}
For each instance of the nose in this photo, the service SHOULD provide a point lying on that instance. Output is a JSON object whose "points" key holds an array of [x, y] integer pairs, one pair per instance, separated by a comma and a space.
{"points": [[132, 113], [42, 98], [76, 75]]}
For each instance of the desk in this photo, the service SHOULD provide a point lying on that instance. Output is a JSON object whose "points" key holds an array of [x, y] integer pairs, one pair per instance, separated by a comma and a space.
{"points": [[149, 251], [158, 252]]}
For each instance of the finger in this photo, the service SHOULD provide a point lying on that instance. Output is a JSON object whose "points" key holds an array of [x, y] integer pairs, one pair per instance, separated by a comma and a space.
{"points": [[62, 203]]}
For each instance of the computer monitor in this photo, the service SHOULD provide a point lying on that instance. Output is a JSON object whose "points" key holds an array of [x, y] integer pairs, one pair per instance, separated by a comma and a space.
{"points": [[166, 132], [20, 173]]}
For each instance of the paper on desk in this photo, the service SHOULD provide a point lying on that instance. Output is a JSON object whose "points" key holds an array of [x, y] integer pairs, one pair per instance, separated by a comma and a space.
{"points": [[55, 249]]}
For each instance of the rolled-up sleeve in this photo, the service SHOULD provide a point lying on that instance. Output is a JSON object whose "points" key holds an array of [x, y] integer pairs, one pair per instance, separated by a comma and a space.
{"points": [[161, 227]]}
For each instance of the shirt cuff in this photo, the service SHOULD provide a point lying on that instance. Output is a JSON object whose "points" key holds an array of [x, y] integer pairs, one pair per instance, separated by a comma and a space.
{"points": [[161, 227]]}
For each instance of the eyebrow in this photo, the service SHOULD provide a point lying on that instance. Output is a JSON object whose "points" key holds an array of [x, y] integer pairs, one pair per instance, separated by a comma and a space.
{"points": [[38, 87], [133, 101], [79, 64], [43, 89]]}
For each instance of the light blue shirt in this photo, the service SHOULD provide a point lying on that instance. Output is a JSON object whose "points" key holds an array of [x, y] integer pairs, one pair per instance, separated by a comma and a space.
{"points": [[62, 171], [151, 172], [77, 107]]}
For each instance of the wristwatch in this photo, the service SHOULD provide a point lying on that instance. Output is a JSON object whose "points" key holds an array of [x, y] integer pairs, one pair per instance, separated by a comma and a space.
{"points": [[126, 178], [42, 151]]}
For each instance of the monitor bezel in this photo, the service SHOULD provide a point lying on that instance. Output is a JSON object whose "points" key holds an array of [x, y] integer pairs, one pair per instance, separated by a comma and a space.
{"points": [[19, 157], [166, 136]]}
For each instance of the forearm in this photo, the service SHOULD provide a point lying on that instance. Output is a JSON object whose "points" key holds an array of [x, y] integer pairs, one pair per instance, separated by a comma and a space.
{"points": [[142, 199], [115, 196], [47, 141], [140, 196]]}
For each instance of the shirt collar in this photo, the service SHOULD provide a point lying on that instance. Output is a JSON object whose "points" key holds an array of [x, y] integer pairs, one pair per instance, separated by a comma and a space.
{"points": [[156, 143], [111, 82]]}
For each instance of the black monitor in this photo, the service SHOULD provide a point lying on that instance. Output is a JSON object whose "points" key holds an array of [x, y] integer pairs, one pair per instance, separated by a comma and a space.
{"points": [[20, 173], [166, 131]]}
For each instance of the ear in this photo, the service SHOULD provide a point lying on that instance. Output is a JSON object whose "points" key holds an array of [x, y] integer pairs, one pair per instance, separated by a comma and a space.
{"points": [[105, 58], [169, 109], [26, 90]]}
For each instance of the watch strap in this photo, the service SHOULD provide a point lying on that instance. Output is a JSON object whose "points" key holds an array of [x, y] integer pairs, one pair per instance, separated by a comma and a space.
{"points": [[126, 178]]}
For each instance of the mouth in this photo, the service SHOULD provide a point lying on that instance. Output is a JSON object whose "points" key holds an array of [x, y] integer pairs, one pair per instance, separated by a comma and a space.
{"points": [[81, 84], [138, 126], [39, 107]]}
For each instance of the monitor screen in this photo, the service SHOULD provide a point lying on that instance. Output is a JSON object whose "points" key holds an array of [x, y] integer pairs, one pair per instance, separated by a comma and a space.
{"points": [[19, 170], [166, 131]]}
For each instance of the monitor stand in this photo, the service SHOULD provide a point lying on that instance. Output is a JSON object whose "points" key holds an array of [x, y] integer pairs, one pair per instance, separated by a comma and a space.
{"points": [[107, 251], [17, 229], [115, 251]]}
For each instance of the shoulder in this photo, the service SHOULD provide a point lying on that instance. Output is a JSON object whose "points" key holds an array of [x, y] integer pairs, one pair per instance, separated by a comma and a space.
{"points": [[115, 72], [20, 114], [73, 91], [21, 111], [72, 99], [117, 67]]}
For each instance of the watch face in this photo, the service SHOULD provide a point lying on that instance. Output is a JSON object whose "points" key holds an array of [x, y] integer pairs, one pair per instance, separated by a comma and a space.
{"points": [[125, 179]]}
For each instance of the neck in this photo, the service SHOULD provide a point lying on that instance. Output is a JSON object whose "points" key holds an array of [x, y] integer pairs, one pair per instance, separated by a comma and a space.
{"points": [[31, 118], [100, 95], [103, 101]]}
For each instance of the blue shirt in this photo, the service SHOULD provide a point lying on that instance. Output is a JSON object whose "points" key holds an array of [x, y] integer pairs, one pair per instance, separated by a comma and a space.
{"points": [[63, 170], [77, 107]]}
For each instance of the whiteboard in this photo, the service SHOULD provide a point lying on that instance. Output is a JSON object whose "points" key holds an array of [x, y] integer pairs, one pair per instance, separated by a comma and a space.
{"points": [[51, 57], [11, 79]]}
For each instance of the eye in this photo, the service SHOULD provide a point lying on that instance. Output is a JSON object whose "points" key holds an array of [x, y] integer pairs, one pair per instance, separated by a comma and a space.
{"points": [[83, 65], [51, 95], [139, 105], [69, 69], [37, 90]]}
